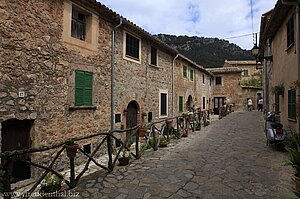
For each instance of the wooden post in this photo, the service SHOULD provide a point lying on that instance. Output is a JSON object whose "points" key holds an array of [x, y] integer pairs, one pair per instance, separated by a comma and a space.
{"points": [[72, 172], [109, 151], [155, 148], [177, 123], [9, 162], [137, 141]]}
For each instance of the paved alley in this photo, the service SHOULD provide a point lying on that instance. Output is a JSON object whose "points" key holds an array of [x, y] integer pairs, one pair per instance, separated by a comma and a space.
{"points": [[228, 159]]}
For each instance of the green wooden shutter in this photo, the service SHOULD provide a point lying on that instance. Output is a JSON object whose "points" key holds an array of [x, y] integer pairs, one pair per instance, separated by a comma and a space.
{"points": [[246, 73], [192, 74], [184, 71], [79, 88], [88, 89], [180, 103]]}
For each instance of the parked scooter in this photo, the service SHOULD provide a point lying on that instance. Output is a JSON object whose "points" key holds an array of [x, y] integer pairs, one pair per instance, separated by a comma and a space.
{"points": [[275, 134]]}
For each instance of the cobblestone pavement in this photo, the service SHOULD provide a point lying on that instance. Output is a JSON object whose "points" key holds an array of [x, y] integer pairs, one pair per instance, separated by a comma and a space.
{"points": [[227, 159]]}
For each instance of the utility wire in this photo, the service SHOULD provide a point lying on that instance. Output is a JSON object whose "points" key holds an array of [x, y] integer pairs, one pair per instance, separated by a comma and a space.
{"points": [[239, 36]]}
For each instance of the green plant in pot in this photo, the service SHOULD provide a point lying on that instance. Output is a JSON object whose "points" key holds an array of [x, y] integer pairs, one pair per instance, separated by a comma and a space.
{"points": [[163, 142], [278, 89], [294, 152], [51, 183], [125, 157]]}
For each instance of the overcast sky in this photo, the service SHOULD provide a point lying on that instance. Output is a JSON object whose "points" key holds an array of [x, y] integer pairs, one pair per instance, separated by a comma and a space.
{"points": [[207, 18]]}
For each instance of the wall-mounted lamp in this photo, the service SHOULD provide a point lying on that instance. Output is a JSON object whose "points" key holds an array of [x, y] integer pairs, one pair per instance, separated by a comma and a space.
{"points": [[258, 58]]}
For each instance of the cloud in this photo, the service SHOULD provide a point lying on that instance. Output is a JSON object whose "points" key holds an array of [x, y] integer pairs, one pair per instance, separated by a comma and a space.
{"points": [[207, 18]]}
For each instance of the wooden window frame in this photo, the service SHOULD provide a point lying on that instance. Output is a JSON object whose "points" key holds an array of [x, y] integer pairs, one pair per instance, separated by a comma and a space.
{"points": [[161, 113], [219, 82], [192, 74], [290, 32], [132, 46], [153, 56], [292, 112], [78, 25]]}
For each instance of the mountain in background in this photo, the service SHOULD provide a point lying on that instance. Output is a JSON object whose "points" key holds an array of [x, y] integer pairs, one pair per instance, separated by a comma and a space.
{"points": [[208, 52]]}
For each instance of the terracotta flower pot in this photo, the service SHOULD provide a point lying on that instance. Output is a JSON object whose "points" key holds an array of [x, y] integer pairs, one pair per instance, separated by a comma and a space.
{"points": [[123, 161], [142, 132], [71, 150], [169, 123]]}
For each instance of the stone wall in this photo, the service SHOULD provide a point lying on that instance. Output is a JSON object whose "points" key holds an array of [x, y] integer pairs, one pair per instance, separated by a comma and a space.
{"points": [[233, 92], [184, 86], [35, 60], [141, 81]]}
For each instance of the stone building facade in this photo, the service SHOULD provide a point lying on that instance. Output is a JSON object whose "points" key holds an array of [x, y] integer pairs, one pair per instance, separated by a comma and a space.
{"points": [[227, 89], [44, 71], [279, 51], [194, 86]]}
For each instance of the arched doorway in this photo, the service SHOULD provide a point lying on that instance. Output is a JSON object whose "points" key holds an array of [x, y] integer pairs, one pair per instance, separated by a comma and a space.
{"points": [[132, 114], [190, 103]]}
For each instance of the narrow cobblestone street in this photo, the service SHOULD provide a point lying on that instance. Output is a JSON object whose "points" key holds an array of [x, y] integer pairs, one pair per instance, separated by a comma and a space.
{"points": [[228, 159]]}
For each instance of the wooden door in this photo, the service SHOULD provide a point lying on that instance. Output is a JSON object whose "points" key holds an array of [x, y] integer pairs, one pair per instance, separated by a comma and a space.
{"points": [[16, 136], [218, 103], [132, 114]]}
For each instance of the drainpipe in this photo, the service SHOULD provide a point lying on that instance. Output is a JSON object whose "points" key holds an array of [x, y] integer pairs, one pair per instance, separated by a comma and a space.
{"points": [[297, 4], [173, 67], [113, 74]]}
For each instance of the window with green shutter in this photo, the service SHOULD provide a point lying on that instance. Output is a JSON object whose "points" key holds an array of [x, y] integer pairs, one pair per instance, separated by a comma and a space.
{"points": [[180, 105], [192, 74], [246, 73], [83, 88], [292, 104], [184, 71]]}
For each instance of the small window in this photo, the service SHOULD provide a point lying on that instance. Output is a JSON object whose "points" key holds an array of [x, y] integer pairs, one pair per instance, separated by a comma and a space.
{"points": [[150, 116], [218, 80], [184, 71], [203, 81], [180, 104], [117, 118], [290, 32], [292, 104], [132, 46], [153, 56], [83, 88], [246, 72], [78, 25], [163, 103], [192, 74], [87, 148], [203, 103]]}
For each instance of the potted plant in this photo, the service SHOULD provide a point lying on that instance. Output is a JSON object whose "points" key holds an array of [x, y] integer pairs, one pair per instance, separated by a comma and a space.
{"points": [[163, 142], [185, 132], [125, 157], [292, 147], [51, 183], [278, 89], [169, 123], [71, 148]]}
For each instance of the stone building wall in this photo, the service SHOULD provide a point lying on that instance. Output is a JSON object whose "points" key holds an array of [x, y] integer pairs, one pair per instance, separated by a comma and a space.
{"points": [[141, 81], [233, 92], [37, 61], [185, 87]]}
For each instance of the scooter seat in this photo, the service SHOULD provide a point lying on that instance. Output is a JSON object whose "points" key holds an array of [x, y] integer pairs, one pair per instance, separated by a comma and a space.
{"points": [[277, 125]]}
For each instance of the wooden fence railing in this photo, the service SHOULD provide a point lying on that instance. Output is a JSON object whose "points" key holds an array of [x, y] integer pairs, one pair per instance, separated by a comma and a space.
{"points": [[180, 126]]}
